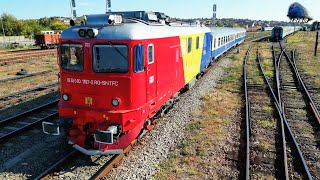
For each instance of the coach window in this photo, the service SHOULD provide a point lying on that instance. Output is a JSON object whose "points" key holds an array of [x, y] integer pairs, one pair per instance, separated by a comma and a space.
{"points": [[110, 58], [138, 64], [150, 53], [72, 57], [189, 44], [197, 43]]}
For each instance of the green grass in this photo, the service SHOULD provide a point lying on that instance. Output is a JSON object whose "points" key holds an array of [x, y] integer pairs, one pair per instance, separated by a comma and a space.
{"points": [[267, 123], [265, 146], [306, 130], [301, 112], [292, 91], [267, 108]]}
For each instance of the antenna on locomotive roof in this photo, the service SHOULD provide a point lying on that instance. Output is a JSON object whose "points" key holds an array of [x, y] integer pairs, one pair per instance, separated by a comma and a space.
{"points": [[108, 6]]}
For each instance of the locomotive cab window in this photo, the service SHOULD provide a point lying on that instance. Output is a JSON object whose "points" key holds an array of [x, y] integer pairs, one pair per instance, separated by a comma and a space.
{"points": [[150, 53], [110, 58], [72, 57]]}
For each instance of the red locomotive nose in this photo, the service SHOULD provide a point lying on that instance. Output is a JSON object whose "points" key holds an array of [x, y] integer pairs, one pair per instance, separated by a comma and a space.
{"points": [[74, 132]]}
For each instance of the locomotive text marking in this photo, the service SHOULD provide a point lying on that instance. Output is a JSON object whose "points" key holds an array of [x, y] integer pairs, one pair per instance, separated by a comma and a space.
{"points": [[92, 82]]}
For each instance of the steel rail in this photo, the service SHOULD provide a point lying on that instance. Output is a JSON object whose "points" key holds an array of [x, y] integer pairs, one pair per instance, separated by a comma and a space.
{"points": [[247, 166], [105, 169], [23, 114], [282, 114], [56, 165], [311, 102], [283, 135], [25, 92], [26, 51], [6, 135], [24, 76]]}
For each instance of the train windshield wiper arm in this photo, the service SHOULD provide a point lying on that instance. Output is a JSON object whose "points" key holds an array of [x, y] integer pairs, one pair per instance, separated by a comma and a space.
{"points": [[117, 50]]}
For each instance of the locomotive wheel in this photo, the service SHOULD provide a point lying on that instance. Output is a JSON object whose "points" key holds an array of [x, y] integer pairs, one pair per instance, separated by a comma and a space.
{"points": [[148, 125]]}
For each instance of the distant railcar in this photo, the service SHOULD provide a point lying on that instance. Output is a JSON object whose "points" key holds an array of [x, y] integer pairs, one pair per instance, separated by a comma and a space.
{"points": [[266, 28], [304, 28], [278, 33], [119, 70], [48, 39], [315, 26]]}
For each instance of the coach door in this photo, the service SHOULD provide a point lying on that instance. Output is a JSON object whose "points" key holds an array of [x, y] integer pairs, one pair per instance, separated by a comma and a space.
{"points": [[151, 73]]}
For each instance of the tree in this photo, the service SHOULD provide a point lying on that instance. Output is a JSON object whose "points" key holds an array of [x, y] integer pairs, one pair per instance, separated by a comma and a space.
{"points": [[58, 25], [31, 27], [45, 22], [12, 27]]}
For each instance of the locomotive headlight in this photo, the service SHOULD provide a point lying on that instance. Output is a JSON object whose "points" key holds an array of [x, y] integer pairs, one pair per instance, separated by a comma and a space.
{"points": [[65, 97], [82, 33], [115, 102], [92, 33]]}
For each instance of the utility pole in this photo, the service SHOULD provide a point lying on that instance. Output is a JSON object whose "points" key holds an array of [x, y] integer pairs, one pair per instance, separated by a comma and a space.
{"points": [[316, 47], [73, 11], [214, 14], [4, 34]]}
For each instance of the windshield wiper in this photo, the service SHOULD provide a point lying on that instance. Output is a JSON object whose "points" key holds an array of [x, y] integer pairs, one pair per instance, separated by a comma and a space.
{"points": [[117, 50]]}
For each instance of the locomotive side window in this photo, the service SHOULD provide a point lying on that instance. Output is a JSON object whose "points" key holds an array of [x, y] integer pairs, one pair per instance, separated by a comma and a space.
{"points": [[197, 42], [72, 57], [138, 58], [189, 44], [150, 53], [110, 58]]}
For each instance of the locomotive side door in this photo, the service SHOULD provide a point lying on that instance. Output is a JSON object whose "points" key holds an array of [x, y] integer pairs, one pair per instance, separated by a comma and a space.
{"points": [[151, 73]]}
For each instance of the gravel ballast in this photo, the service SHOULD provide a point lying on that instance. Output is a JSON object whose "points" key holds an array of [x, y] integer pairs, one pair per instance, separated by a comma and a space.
{"points": [[142, 162]]}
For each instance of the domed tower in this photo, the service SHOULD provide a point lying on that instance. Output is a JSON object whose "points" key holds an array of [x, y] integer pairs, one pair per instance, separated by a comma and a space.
{"points": [[298, 13]]}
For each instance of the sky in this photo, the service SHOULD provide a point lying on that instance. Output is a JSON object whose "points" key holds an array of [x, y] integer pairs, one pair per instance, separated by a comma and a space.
{"points": [[251, 9]]}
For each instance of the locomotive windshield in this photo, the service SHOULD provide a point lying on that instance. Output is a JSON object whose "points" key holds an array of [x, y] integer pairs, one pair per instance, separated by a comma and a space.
{"points": [[72, 57], [110, 58]]}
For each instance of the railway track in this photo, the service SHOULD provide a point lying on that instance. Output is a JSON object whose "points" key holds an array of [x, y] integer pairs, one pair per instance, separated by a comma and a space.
{"points": [[302, 112], [19, 122], [264, 144], [100, 174], [24, 76], [23, 57], [56, 165], [23, 52], [11, 99], [283, 158]]}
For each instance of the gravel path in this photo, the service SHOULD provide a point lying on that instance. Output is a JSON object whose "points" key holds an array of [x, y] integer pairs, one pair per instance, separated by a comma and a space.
{"points": [[169, 132]]}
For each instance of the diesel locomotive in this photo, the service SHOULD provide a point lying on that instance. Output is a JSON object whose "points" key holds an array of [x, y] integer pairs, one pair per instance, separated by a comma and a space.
{"points": [[119, 70]]}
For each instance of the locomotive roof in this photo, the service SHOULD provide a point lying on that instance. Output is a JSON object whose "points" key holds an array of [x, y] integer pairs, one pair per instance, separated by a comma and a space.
{"points": [[131, 30]]}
